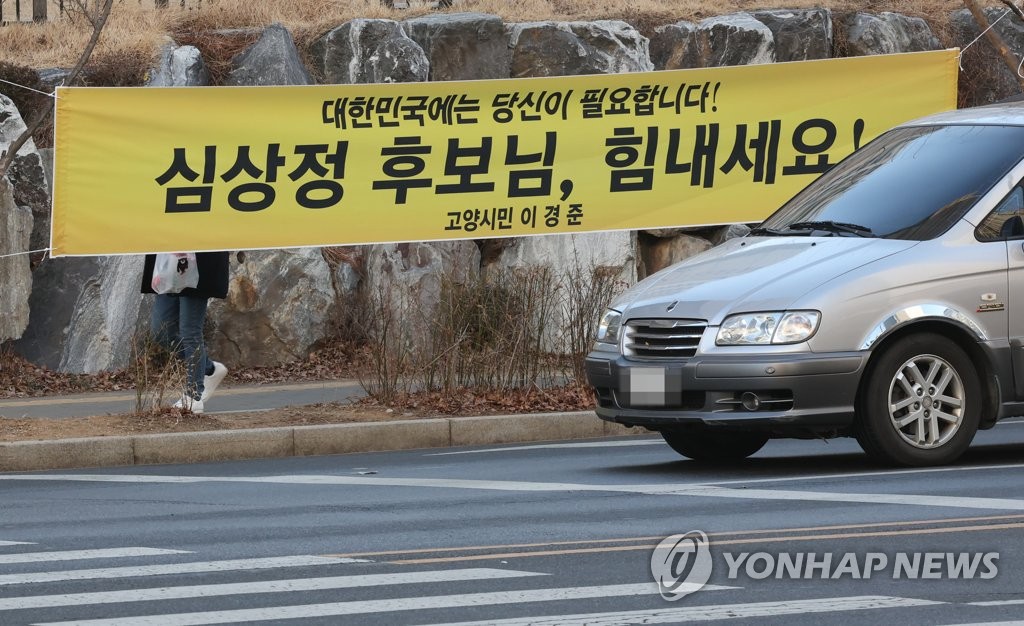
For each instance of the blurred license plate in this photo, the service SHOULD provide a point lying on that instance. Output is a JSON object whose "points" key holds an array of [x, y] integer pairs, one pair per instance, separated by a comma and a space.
{"points": [[651, 386]]}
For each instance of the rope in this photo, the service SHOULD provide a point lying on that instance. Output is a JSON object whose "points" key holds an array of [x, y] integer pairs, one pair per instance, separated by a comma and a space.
{"points": [[959, 58], [13, 254], [29, 88]]}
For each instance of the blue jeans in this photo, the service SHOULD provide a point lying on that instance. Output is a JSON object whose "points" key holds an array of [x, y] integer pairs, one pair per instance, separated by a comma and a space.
{"points": [[177, 324]]}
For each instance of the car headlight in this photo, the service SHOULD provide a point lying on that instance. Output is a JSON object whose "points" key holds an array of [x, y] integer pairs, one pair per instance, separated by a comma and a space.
{"points": [[609, 327], [768, 328]]}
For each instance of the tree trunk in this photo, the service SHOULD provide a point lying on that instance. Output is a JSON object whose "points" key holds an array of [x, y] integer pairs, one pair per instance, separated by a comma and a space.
{"points": [[98, 22], [997, 42], [38, 10]]}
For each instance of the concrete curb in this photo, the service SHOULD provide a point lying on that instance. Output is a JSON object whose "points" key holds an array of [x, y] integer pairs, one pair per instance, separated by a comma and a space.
{"points": [[262, 443]]}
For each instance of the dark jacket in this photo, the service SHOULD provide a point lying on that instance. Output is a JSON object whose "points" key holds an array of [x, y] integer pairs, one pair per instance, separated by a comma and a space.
{"points": [[213, 275]]}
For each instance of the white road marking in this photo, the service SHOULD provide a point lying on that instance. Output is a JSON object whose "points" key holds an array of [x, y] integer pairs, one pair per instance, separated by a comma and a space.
{"points": [[260, 587], [17, 543], [76, 555], [710, 612], [997, 602], [682, 489], [553, 446], [357, 607], [1010, 623], [234, 565], [854, 475]]}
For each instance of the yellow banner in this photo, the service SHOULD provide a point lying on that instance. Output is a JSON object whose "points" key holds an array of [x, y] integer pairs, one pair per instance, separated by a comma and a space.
{"points": [[233, 168]]}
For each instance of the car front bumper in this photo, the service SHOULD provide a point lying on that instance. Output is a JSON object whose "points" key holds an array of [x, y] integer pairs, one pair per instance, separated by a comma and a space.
{"points": [[790, 395]]}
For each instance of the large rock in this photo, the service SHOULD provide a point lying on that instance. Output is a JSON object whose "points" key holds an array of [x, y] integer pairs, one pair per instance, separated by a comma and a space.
{"points": [[660, 252], [573, 259], [462, 46], [888, 33], [86, 314], [178, 66], [800, 35], [985, 77], [110, 316], [280, 304], [26, 175], [15, 271], [735, 39], [575, 48], [674, 47], [369, 51], [272, 60], [404, 281]]}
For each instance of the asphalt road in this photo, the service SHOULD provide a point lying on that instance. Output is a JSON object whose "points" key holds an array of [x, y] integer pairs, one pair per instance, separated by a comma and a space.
{"points": [[557, 533]]}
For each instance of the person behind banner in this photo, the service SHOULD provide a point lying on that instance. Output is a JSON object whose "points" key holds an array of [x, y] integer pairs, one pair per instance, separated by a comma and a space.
{"points": [[177, 324]]}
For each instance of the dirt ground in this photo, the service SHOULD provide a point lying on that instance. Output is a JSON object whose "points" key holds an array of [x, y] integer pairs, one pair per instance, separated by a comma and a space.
{"points": [[173, 421], [418, 406]]}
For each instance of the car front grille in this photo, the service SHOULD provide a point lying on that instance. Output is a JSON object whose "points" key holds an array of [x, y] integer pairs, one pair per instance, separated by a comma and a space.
{"points": [[662, 339]]}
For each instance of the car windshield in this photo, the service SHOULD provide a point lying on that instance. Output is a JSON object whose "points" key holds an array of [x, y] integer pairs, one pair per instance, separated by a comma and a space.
{"points": [[909, 183]]}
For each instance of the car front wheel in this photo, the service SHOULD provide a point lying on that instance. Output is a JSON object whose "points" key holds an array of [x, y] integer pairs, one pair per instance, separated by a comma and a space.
{"points": [[921, 403], [710, 446]]}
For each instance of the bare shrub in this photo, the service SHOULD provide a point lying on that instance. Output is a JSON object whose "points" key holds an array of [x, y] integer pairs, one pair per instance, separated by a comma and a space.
{"points": [[489, 334], [588, 289], [390, 352], [159, 377]]}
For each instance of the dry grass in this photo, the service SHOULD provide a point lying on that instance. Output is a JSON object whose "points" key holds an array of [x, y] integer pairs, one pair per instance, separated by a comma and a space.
{"points": [[137, 31]]}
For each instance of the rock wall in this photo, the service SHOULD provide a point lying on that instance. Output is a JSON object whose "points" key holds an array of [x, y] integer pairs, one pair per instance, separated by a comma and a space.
{"points": [[80, 315]]}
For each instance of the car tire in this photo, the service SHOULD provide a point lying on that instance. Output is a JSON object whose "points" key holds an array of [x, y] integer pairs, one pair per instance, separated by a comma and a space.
{"points": [[921, 403], [709, 446]]}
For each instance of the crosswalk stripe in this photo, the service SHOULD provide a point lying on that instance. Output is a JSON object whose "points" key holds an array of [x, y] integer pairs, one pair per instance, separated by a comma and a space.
{"points": [[16, 543], [379, 606], [174, 568], [997, 602], [711, 612], [77, 555], [680, 489], [261, 587]]}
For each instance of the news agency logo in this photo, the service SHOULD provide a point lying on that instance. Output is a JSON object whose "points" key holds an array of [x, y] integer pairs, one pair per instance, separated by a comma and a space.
{"points": [[681, 564]]}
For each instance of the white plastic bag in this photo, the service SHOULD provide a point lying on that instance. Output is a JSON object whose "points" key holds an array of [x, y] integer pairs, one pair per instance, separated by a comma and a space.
{"points": [[175, 271]]}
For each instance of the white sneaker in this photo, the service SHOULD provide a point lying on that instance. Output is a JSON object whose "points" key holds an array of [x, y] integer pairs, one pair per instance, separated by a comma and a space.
{"points": [[191, 405], [211, 382]]}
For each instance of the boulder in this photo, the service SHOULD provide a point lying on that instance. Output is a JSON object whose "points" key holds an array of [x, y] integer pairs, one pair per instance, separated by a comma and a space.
{"points": [[660, 252], [888, 33], [178, 66], [800, 35], [272, 60], [674, 47], [109, 315], [280, 304], [369, 51], [573, 259], [404, 280], [735, 39], [462, 46], [15, 270], [730, 231], [26, 175], [576, 48]]}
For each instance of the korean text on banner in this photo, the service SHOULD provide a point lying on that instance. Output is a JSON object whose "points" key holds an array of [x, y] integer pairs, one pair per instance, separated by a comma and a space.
{"points": [[231, 168]]}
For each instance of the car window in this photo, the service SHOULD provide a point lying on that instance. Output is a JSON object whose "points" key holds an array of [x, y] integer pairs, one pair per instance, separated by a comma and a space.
{"points": [[909, 183], [991, 228]]}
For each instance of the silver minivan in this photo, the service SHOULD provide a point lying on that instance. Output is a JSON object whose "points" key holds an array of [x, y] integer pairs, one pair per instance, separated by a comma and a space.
{"points": [[885, 302]]}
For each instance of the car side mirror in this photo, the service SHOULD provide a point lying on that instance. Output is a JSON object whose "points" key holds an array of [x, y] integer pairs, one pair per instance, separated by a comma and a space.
{"points": [[1012, 228]]}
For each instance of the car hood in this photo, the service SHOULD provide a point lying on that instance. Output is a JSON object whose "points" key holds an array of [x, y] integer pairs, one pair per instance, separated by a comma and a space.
{"points": [[750, 274]]}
